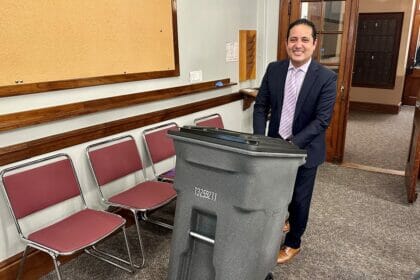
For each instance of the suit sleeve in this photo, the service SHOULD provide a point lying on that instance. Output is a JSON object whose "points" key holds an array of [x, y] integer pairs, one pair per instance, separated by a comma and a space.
{"points": [[262, 105], [323, 113]]}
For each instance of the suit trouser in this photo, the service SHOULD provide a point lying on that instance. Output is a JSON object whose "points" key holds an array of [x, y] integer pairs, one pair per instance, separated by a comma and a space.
{"points": [[300, 204]]}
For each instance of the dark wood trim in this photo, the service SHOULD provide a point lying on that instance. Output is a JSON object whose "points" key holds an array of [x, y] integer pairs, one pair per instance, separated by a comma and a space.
{"points": [[247, 102], [409, 100], [249, 95], [284, 20], [44, 115], [22, 89], [52, 143], [175, 39], [335, 150], [375, 107], [412, 169]]}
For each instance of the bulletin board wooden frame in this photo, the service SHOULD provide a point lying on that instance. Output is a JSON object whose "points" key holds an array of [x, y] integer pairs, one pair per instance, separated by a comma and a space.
{"points": [[54, 45]]}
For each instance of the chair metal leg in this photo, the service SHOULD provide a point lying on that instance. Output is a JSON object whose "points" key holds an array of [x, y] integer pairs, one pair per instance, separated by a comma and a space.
{"points": [[56, 265], [138, 234], [22, 261], [100, 253], [156, 222], [128, 249], [164, 179]]}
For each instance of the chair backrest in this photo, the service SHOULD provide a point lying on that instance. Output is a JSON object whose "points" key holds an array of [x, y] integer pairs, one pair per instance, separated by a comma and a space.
{"points": [[158, 145], [114, 159], [214, 120], [39, 184]]}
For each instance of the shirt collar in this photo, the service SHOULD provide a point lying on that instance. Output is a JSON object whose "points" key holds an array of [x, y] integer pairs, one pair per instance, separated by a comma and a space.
{"points": [[303, 68]]}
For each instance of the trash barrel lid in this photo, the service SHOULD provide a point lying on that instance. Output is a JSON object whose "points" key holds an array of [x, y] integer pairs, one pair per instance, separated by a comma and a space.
{"points": [[240, 140]]}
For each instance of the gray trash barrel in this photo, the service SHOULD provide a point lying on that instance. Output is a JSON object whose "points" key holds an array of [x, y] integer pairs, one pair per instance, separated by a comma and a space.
{"points": [[233, 193]]}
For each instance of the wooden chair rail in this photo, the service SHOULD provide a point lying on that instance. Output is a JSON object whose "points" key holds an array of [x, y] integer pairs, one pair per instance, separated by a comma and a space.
{"points": [[24, 89], [44, 145], [44, 115]]}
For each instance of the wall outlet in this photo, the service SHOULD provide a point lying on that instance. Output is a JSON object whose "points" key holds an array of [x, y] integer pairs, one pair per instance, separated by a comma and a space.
{"points": [[196, 76]]}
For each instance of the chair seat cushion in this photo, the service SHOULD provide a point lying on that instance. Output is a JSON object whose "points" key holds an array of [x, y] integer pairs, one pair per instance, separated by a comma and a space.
{"points": [[147, 195], [77, 231]]}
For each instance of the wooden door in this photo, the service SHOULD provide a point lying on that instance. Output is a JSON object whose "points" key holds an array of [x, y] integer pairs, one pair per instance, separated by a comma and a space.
{"points": [[412, 77], [336, 23], [413, 162], [411, 96]]}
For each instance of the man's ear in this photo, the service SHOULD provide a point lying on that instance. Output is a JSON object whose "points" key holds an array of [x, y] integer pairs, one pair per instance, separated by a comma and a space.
{"points": [[315, 42]]}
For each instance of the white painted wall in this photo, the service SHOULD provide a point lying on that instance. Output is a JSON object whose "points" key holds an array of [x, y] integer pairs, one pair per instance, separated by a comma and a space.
{"points": [[204, 28]]}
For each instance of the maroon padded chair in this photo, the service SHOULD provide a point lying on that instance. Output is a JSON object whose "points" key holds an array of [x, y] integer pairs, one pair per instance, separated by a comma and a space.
{"points": [[160, 148], [213, 120], [117, 158], [43, 183]]}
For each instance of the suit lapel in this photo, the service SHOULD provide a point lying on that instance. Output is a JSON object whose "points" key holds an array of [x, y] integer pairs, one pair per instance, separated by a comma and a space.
{"points": [[305, 90], [281, 83]]}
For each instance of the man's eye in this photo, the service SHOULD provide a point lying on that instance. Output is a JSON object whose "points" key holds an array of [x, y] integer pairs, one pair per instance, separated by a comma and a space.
{"points": [[305, 40]]}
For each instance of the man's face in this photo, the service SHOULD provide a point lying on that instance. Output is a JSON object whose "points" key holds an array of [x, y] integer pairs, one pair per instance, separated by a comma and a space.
{"points": [[300, 45]]}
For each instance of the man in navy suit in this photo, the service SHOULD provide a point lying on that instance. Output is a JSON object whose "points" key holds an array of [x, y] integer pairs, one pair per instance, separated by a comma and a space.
{"points": [[300, 93]]}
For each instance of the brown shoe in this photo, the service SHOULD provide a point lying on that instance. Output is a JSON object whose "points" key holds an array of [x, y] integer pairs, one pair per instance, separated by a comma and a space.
{"points": [[286, 227], [286, 254]]}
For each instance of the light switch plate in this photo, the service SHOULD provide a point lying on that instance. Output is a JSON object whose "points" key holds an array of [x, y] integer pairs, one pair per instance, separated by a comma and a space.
{"points": [[196, 76]]}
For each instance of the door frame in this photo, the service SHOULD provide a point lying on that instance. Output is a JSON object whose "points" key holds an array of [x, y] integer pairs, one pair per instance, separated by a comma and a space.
{"points": [[413, 161], [336, 133], [412, 168], [408, 98]]}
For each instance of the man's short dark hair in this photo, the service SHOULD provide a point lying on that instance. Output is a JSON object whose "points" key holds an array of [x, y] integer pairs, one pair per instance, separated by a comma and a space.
{"points": [[305, 22]]}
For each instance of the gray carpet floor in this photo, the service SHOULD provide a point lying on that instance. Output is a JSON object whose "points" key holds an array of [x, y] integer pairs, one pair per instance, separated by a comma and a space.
{"points": [[360, 226], [379, 140]]}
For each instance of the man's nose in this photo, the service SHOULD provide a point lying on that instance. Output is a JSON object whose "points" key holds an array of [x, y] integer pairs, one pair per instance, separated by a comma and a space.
{"points": [[298, 43]]}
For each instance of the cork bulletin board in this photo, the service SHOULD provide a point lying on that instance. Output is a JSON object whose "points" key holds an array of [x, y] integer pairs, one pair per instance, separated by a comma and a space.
{"points": [[46, 41]]}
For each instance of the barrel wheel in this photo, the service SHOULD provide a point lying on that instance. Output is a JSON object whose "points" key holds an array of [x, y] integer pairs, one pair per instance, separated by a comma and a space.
{"points": [[269, 276]]}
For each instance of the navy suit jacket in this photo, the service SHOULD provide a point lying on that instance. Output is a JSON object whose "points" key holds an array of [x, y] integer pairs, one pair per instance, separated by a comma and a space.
{"points": [[313, 111]]}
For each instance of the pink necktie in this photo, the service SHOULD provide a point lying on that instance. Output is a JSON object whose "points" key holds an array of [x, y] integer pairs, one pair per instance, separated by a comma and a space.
{"points": [[289, 104]]}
